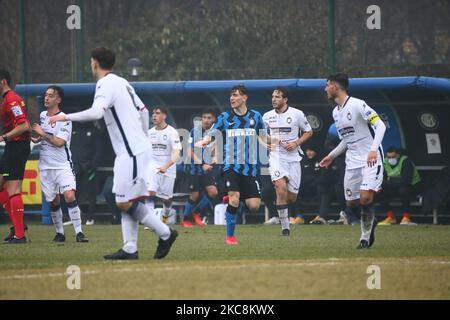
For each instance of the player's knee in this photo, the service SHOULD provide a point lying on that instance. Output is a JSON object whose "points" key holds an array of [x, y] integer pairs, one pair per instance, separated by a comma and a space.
{"points": [[69, 197], [366, 199], [254, 207], [291, 198], [55, 202]]}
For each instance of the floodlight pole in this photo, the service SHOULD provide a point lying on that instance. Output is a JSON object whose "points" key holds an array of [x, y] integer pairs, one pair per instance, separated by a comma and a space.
{"points": [[331, 36], [80, 45], [22, 41]]}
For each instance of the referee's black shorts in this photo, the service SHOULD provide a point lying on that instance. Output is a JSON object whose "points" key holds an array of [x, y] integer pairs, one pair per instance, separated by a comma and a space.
{"points": [[247, 186], [15, 156]]}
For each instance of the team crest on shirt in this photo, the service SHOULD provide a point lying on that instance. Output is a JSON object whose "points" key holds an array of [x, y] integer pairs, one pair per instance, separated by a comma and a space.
{"points": [[53, 125], [289, 120], [277, 173], [252, 122], [348, 192], [349, 116], [165, 137]]}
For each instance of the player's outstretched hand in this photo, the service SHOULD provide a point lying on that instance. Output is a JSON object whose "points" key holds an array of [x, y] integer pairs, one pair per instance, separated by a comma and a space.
{"points": [[57, 118], [372, 158], [325, 163]]}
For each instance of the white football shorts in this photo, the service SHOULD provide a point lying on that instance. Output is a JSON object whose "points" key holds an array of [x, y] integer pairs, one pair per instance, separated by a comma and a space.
{"points": [[56, 181], [131, 176], [365, 178], [290, 170]]}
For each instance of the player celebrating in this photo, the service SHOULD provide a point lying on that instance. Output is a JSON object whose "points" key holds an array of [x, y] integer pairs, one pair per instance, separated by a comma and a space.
{"points": [[239, 128], [362, 132], [55, 164], [16, 135], [200, 173], [286, 125], [126, 119], [166, 148]]}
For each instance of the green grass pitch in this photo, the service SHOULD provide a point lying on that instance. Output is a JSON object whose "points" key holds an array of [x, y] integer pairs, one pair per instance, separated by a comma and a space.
{"points": [[315, 262]]}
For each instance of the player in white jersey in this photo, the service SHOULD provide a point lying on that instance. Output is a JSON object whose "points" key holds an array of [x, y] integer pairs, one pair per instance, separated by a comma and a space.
{"points": [[361, 131], [289, 129], [55, 164], [126, 119], [166, 151]]}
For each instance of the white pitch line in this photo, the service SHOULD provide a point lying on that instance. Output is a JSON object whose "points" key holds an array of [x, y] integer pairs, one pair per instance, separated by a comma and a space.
{"points": [[332, 262]]}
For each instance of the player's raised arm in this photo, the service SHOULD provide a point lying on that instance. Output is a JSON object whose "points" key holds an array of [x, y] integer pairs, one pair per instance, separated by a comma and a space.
{"points": [[336, 152], [217, 127]]}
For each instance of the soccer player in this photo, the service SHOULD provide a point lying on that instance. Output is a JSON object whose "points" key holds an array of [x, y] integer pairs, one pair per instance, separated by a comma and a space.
{"points": [[55, 164], [239, 128], [200, 173], [289, 129], [362, 132], [16, 135], [166, 150], [126, 119]]}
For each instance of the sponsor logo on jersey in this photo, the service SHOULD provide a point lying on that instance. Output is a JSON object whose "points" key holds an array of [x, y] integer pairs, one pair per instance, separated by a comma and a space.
{"points": [[346, 131], [280, 130], [348, 192], [243, 132]]}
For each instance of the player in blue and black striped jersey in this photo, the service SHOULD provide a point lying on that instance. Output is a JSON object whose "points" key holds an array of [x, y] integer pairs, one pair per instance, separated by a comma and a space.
{"points": [[239, 129], [201, 173]]}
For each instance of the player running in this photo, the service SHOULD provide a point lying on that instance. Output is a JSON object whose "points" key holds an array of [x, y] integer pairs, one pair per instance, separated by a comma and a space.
{"points": [[127, 122]]}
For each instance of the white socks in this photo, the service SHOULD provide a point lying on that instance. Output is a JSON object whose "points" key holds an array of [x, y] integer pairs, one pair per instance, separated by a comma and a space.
{"points": [[58, 220], [130, 228], [283, 213]]}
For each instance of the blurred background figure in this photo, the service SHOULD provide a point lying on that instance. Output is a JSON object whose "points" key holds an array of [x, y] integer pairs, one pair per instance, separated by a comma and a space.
{"points": [[401, 180]]}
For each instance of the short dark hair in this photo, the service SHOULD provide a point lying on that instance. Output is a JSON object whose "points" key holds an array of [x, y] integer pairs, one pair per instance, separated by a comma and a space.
{"points": [[340, 78], [59, 90], [283, 91], [4, 74], [162, 109], [105, 57], [241, 88], [209, 111], [392, 149]]}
